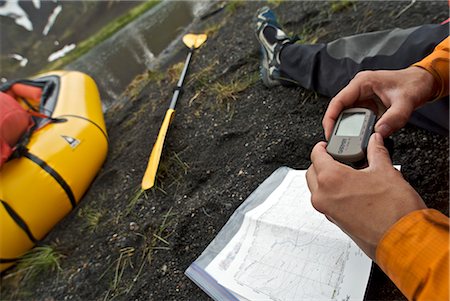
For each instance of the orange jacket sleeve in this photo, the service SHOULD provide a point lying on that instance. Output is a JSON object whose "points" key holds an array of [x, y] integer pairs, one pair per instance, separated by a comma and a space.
{"points": [[414, 253], [437, 64]]}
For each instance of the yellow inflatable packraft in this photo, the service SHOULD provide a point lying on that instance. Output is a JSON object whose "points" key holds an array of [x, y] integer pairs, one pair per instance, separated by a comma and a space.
{"points": [[61, 159]]}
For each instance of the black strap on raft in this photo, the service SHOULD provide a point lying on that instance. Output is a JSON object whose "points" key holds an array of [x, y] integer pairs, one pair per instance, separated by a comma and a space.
{"points": [[8, 260], [42, 164], [19, 221], [20, 148], [17, 218]]}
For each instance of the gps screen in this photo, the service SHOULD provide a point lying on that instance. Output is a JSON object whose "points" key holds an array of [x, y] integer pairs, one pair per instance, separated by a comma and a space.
{"points": [[350, 124]]}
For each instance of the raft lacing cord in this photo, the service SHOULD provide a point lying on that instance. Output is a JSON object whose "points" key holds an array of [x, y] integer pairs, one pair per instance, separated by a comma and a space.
{"points": [[43, 116], [88, 120]]}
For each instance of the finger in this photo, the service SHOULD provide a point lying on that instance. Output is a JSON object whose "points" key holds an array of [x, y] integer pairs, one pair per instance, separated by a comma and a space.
{"points": [[331, 219], [377, 154], [320, 157], [356, 90], [311, 179], [393, 119], [335, 107]]}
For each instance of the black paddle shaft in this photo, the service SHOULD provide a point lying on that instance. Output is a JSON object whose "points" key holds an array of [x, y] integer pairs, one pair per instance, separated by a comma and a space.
{"points": [[177, 91]]}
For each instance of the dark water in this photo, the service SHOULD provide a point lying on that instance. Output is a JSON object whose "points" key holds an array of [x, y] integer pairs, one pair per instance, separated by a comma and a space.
{"points": [[115, 62], [27, 30]]}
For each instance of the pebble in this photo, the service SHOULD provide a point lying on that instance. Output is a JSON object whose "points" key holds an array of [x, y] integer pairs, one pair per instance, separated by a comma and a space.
{"points": [[164, 269], [134, 226]]}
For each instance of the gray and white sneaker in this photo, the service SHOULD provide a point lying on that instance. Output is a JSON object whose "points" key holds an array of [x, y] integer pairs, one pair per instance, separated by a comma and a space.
{"points": [[272, 39]]}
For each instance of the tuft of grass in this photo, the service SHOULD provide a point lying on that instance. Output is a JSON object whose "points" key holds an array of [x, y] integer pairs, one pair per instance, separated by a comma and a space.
{"points": [[160, 236], [274, 3], [155, 240], [201, 78], [140, 81], [340, 5], [184, 166], [230, 8], [124, 260], [233, 5], [137, 115], [92, 217], [211, 30], [214, 28], [171, 169], [39, 259], [106, 32], [30, 267], [135, 197], [174, 72], [226, 92], [310, 35], [122, 263]]}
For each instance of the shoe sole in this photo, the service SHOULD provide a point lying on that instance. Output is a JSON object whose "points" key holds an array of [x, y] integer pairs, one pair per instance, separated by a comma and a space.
{"points": [[264, 67], [264, 71]]}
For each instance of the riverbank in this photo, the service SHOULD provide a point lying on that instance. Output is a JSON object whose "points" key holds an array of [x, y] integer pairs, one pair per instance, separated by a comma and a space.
{"points": [[228, 135], [41, 41], [106, 32]]}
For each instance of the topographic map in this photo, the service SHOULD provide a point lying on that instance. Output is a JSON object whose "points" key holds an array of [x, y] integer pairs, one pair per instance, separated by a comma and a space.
{"points": [[286, 250]]}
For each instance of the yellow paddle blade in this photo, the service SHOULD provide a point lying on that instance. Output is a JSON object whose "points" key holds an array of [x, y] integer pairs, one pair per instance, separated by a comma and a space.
{"points": [[194, 40], [153, 162]]}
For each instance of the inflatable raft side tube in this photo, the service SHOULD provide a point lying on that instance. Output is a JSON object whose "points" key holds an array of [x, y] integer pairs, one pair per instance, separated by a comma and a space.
{"points": [[50, 170], [60, 180], [19, 221]]}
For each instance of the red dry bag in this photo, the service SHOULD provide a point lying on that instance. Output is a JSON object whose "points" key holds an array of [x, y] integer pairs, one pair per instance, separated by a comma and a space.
{"points": [[14, 123]]}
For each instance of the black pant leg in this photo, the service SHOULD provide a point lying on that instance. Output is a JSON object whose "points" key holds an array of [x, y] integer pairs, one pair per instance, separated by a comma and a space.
{"points": [[327, 68]]}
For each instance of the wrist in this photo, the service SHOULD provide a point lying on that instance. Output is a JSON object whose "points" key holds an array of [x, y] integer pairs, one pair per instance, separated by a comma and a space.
{"points": [[427, 83]]}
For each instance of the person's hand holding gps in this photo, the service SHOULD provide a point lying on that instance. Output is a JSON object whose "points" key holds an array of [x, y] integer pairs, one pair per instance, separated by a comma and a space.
{"points": [[365, 203], [399, 91]]}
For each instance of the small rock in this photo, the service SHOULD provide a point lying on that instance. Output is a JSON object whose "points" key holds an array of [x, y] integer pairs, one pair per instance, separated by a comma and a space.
{"points": [[134, 226], [164, 269]]}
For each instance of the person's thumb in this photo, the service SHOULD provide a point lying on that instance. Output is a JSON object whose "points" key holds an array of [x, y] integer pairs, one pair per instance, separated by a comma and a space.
{"points": [[393, 119], [377, 154]]}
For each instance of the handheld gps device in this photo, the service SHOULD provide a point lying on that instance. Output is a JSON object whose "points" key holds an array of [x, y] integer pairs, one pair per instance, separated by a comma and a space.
{"points": [[350, 136]]}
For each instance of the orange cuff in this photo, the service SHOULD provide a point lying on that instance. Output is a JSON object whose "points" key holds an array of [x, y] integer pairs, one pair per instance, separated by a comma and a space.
{"points": [[414, 253], [437, 63]]}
